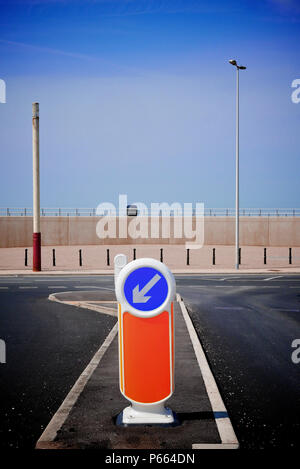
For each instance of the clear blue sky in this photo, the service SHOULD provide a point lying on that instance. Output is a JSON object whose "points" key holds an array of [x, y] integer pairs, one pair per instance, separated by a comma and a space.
{"points": [[137, 97]]}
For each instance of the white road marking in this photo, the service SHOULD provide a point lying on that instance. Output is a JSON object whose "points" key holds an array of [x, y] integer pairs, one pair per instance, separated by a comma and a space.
{"points": [[51, 280], [228, 278], [29, 288], [269, 286], [290, 280], [225, 429], [232, 286], [73, 280], [61, 415], [57, 286], [237, 280], [272, 278], [4, 288], [14, 282], [85, 286], [68, 279], [214, 286], [257, 280]]}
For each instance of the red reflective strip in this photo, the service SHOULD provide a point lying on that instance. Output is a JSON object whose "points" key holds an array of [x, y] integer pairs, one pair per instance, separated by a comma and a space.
{"points": [[120, 348]]}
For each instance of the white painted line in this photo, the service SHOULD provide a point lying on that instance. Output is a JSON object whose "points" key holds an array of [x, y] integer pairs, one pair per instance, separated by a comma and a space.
{"points": [[226, 432], [29, 288], [214, 446], [225, 286], [57, 286], [12, 281], [180, 287], [269, 286], [289, 281], [4, 288], [51, 280], [65, 279], [193, 286], [215, 286], [86, 286], [256, 280], [228, 278], [272, 278], [62, 413], [232, 286]]}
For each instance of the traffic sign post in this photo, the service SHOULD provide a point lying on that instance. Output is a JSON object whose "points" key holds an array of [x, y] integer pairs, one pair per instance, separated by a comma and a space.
{"points": [[145, 290]]}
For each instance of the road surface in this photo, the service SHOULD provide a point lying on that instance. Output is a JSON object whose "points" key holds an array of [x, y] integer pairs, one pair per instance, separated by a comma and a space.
{"points": [[246, 324]]}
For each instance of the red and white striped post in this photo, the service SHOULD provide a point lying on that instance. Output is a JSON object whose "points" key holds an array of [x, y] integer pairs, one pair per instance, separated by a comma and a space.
{"points": [[36, 262]]}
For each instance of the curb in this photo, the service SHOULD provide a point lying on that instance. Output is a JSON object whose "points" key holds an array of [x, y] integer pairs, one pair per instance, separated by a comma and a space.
{"points": [[85, 305]]}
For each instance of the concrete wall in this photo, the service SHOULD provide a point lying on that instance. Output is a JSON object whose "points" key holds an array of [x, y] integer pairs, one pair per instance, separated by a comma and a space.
{"points": [[76, 231]]}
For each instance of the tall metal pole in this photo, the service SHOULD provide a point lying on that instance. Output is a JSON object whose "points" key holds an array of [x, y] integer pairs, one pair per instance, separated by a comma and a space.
{"points": [[36, 262], [237, 174], [237, 208]]}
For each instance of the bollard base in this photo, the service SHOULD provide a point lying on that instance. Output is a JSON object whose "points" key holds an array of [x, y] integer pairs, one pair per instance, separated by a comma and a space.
{"points": [[156, 414]]}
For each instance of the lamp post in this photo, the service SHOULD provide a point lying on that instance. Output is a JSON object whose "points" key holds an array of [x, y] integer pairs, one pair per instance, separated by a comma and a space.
{"points": [[238, 67], [36, 263]]}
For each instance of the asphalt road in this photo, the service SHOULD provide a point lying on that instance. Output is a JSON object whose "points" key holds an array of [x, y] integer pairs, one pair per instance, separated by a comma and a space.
{"points": [[246, 324], [48, 345]]}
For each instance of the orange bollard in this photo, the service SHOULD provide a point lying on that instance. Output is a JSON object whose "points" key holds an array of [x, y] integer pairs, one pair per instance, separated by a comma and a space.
{"points": [[145, 289]]}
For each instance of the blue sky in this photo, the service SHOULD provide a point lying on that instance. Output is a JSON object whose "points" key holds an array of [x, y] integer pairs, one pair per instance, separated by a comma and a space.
{"points": [[137, 97]]}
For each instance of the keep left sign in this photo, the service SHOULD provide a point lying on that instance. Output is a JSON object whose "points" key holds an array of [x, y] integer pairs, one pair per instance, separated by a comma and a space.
{"points": [[146, 289]]}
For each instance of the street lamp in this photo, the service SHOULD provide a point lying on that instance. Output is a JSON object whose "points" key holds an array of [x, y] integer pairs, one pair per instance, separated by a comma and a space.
{"points": [[238, 67]]}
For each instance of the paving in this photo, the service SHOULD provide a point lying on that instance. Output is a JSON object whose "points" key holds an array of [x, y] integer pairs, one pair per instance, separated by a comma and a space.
{"points": [[91, 422], [99, 259]]}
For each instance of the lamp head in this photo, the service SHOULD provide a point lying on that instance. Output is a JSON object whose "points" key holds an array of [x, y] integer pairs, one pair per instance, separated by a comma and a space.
{"points": [[232, 62]]}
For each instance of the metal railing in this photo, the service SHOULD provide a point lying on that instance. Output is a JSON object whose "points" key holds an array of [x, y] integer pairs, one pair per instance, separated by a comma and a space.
{"points": [[208, 212]]}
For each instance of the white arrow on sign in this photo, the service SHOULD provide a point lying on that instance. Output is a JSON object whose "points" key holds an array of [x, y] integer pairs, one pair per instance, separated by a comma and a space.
{"points": [[138, 296]]}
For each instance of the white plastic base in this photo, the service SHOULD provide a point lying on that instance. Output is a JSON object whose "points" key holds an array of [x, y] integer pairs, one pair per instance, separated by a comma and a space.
{"points": [[147, 414]]}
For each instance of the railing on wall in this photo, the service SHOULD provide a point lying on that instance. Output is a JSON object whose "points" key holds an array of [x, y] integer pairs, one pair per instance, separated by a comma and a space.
{"points": [[208, 212]]}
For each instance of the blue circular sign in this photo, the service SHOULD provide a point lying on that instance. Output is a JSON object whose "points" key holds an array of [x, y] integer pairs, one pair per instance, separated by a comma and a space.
{"points": [[146, 289]]}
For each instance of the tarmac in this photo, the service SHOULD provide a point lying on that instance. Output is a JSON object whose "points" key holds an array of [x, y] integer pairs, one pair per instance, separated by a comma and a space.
{"points": [[87, 417]]}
